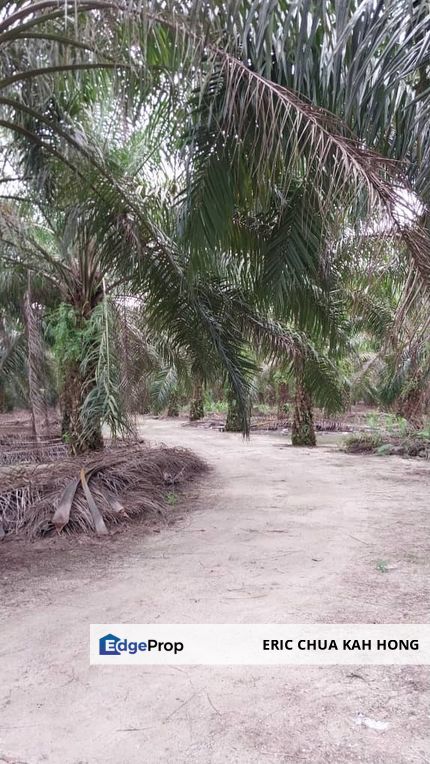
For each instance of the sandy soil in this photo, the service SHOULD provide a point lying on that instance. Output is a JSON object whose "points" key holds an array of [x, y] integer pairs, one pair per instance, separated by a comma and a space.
{"points": [[274, 534]]}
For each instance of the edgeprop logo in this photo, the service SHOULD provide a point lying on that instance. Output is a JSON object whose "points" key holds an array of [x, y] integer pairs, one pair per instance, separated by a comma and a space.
{"points": [[110, 644]]}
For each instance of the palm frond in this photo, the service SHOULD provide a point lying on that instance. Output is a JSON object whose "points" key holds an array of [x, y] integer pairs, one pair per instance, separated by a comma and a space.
{"points": [[100, 367]]}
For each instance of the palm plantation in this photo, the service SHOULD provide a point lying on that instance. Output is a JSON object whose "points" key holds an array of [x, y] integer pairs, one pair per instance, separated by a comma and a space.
{"points": [[199, 174], [214, 290]]}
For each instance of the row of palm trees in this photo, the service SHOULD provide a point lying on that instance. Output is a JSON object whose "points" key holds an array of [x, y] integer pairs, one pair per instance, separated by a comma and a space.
{"points": [[198, 188]]}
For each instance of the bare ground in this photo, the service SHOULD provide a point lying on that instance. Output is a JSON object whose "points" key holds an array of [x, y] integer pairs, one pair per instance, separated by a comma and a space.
{"points": [[274, 534]]}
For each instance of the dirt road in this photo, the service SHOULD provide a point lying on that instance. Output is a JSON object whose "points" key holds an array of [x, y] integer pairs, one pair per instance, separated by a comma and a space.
{"points": [[274, 534]]}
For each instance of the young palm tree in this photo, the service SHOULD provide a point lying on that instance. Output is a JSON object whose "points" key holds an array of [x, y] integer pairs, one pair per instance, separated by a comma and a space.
{"points": [[65, 256]]}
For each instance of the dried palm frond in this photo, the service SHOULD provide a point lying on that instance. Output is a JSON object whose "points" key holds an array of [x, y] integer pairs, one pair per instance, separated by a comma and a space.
{"points": [[94, 493]]}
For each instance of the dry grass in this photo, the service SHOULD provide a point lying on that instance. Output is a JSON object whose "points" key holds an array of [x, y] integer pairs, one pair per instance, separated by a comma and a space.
{"points": [[94, 493]]}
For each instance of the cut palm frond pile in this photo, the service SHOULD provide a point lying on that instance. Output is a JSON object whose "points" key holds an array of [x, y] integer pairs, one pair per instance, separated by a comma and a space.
{"points": [[17, 450], [19, 443], [93, 494], [272, 422]]}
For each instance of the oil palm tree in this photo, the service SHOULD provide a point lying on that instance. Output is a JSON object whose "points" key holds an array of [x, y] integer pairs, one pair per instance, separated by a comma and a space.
{"points": [[13, 368], [94, 255], [251, 64], [26, 375], [265, 97], [362, 70]]}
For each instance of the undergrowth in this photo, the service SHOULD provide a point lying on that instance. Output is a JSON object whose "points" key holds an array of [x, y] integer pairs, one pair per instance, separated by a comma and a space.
{"points": [[414, 443]]}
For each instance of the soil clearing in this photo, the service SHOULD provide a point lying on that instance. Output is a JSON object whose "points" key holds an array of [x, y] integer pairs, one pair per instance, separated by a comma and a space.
{"points": [[272, 535]]}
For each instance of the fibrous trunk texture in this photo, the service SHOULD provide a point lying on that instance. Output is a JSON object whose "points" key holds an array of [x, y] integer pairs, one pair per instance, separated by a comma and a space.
{"points": [[83, 434], [80, 438], [303, 431], [35, 362], [413, 404], [3, 403], [173, 409], [234, 421], [282, 399], [197, 410]]}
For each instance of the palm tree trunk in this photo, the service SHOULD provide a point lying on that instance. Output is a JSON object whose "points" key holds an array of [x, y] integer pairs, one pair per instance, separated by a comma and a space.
{"points": [[282, 396], [412, 405], [3, 407], [197, 410], [38, 407], [303, 431], [4, 341], [79, 432], [234, 421], [79, 438], [173, 409]]}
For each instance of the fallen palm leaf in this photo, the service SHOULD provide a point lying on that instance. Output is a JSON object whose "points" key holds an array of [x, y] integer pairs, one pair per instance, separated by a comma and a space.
{"points": [[62, 513], [115, 505], [99, 524]]}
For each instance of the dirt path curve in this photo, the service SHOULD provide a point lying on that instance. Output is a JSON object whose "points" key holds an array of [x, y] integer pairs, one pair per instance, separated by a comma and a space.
{"points": [[277, 535]]}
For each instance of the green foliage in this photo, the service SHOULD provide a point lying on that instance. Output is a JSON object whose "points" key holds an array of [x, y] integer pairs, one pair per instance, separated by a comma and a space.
{"points": [[100, 367], [412, 443], [163, 388], [388, 423], [382, 566], [203, 163], [89, 345], [385, 450], [262, 408], [13, 365], [66, 333], [213, 406], [360, 443]]}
